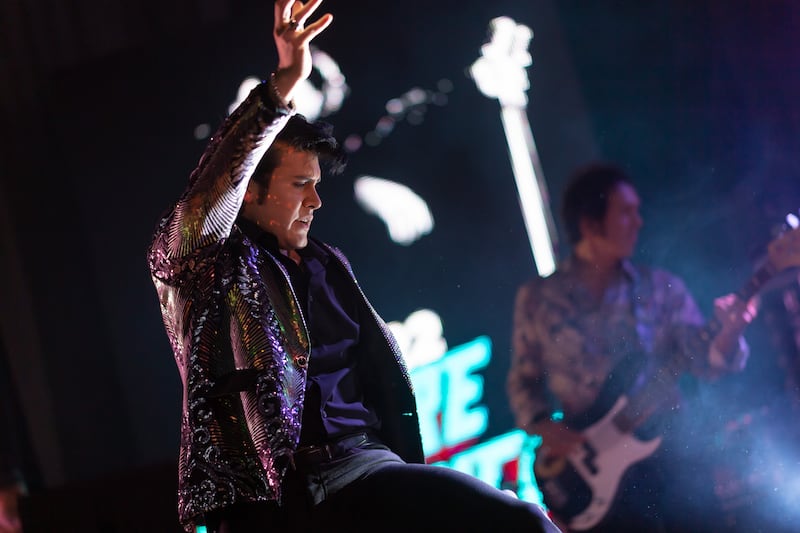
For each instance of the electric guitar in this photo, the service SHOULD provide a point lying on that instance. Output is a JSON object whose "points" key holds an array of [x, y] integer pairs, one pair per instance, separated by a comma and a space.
{"points": [[582, 487]]}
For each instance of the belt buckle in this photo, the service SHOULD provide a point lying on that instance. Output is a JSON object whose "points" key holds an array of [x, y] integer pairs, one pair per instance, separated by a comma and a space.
{"points": [[327, 452], [314, 454]]}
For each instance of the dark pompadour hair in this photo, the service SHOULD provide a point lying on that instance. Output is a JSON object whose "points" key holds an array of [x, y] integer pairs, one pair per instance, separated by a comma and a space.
{"points": [[301, 134], [586, 195]]}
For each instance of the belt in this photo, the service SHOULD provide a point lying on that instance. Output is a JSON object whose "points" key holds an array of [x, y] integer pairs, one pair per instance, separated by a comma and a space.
{"points": [[320, 453]]}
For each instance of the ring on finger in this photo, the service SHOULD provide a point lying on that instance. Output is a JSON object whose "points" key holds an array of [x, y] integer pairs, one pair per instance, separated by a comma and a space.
{"points": [[293, 24]]}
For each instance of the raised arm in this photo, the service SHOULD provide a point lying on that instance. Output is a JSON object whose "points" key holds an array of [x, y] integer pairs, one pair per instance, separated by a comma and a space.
{"points": [[206, 212]]}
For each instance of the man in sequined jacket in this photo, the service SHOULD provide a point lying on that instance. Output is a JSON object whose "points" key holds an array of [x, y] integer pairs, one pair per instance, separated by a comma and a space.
{"points": [[298, 411], [602, 330]]}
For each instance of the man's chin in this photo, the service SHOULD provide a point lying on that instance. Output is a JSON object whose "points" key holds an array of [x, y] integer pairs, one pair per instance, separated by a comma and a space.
{"points": [[300, 242]]}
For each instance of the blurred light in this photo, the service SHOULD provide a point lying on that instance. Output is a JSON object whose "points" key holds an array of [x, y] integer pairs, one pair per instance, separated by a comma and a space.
{"points": [[385, 126], [202, 131], [372, 139], [353, 142], [527, 488], [420, 337], [334, 87], [463, 389], [528, 188], [405, 214], [395, 106], [485, 460], [500, 73], [313, 102], [247, 85], [792, 220], [439, 99], [309, 100], [449, 392], [415, 96], [416, 117], [411, 106]]}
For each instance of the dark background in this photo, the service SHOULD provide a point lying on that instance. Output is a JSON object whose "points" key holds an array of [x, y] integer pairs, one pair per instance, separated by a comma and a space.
{"points": [[100, 100]]}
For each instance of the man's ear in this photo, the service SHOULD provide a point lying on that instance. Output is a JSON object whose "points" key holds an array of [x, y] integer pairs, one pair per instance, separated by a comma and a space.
{"points": [[590, 227], [251, 194]]}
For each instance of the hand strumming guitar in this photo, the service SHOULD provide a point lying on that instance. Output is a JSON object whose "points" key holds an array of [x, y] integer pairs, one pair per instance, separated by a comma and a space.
{"points": [[557, 439]]}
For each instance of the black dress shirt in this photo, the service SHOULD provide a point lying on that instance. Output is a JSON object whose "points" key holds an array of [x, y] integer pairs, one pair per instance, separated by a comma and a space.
{"points": [[334, 402]]}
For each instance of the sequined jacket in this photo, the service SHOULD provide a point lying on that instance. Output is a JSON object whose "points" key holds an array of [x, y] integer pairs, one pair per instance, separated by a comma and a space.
{"points": [[564, 345], [239, 337]]}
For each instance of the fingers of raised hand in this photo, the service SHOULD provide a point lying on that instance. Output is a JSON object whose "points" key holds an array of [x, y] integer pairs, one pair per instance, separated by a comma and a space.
{"points": [[312, 30], [291, 15]]}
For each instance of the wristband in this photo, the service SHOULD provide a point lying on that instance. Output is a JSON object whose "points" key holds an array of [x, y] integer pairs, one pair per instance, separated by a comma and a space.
{"points": [[276, 95]]}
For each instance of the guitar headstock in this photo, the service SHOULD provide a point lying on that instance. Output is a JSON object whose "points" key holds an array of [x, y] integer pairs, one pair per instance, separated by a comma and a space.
{"points": [[784, 251]]}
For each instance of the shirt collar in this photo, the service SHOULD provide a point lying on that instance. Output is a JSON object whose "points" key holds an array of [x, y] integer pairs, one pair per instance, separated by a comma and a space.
{"points": [[572, 262], [263, 238], [270, 241]]}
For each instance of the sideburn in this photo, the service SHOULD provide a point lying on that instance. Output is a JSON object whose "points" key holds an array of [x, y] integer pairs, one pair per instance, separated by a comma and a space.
{"points": [[262, 194]]}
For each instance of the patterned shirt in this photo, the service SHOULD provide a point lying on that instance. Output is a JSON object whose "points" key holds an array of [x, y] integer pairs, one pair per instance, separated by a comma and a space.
{"points": [[570, 348]]}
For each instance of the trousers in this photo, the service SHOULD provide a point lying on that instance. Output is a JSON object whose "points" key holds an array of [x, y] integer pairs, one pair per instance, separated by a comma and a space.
{"points": [[369, 488]]}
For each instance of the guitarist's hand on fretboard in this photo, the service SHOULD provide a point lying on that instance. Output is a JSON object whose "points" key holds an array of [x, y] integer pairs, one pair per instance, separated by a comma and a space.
{"points": [[732, 316]]}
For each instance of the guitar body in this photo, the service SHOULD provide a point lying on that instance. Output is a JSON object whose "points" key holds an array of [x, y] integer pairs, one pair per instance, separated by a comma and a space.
{"points": [[582, 488]]}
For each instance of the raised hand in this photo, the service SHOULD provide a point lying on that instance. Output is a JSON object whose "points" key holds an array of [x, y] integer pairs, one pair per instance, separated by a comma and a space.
{"points": [[292, 38]]}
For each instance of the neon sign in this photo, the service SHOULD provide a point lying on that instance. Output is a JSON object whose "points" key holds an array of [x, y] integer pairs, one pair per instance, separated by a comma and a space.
{"points": [[453, 422]]}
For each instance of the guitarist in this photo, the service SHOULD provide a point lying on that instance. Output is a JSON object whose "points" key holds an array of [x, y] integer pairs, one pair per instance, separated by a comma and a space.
{"points": [[600, 327]]}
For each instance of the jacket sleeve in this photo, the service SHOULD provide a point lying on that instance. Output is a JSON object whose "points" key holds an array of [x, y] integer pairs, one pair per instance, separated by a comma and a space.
{"points": [[186, 241], [207, 210]]}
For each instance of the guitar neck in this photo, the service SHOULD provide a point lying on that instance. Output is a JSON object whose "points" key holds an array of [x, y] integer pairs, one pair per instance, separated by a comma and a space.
{"points": [[754, 284], [757, 281]]}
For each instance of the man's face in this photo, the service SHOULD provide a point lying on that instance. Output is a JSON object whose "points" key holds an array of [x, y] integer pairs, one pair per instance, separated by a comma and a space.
{"points": [[291, 199], [619, 231]]}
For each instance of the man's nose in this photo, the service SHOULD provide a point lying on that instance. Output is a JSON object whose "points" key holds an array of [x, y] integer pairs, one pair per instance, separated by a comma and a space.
{"points": [[314, 201]]}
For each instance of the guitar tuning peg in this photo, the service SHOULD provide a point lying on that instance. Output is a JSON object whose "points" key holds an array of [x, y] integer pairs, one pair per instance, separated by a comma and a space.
{"points": [[776, 230]]}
